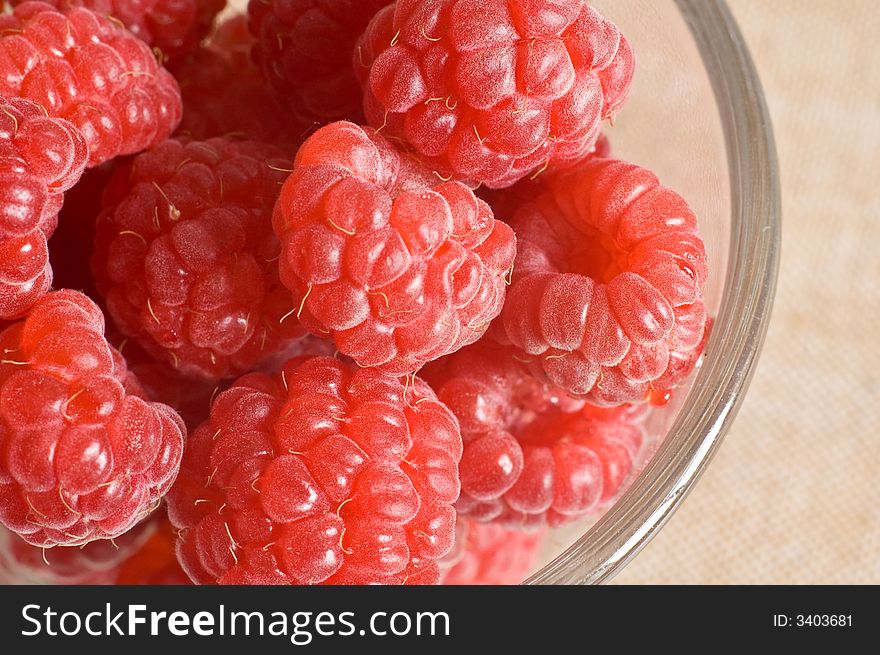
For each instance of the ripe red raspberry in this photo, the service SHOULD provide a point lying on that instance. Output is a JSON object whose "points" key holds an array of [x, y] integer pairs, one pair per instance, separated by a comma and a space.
{"points": [[327, 473], [488, 554], [396, 266], [186, 258], [532, 455], [313, 79], [96, 563], [489, 90], [224, 93], [86, 68], [172, 27], [606, 300], [83, 456], [155, 562], [40, 159]]}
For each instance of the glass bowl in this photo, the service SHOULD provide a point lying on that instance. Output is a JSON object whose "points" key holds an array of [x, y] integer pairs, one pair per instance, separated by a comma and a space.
{"points": [[696, 116]]}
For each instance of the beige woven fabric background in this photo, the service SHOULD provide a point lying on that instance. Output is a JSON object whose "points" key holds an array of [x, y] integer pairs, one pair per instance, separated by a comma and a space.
{"points": [[793, 496]]}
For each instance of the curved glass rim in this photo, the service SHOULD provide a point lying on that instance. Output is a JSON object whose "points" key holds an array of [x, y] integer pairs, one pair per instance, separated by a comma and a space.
{"points": [[738, 331]]}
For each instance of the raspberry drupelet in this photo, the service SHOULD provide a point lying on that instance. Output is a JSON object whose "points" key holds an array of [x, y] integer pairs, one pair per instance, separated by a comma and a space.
{"points": [[488, 554], [324, 474], [395, 265], [313, 78], [186, 258], [170, 27], [532, 456], [88, 69], [489, 91], [40, 159], [606, 300], [83, 456]]}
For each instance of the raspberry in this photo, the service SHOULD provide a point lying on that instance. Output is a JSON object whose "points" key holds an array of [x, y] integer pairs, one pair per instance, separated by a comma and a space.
{"points": [[488, 554], [327, 473], [173, 27], [606, 295], [315, 82], [83, 456], [96, 563], [490, 90], [155, 563], [40, 159], [532, 455], [396, 266], [224, 93], [84, 67], [186, 258]]}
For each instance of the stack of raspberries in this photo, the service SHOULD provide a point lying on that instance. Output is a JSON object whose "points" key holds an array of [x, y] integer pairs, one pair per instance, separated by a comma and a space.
{"points": [[333, 292]]}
